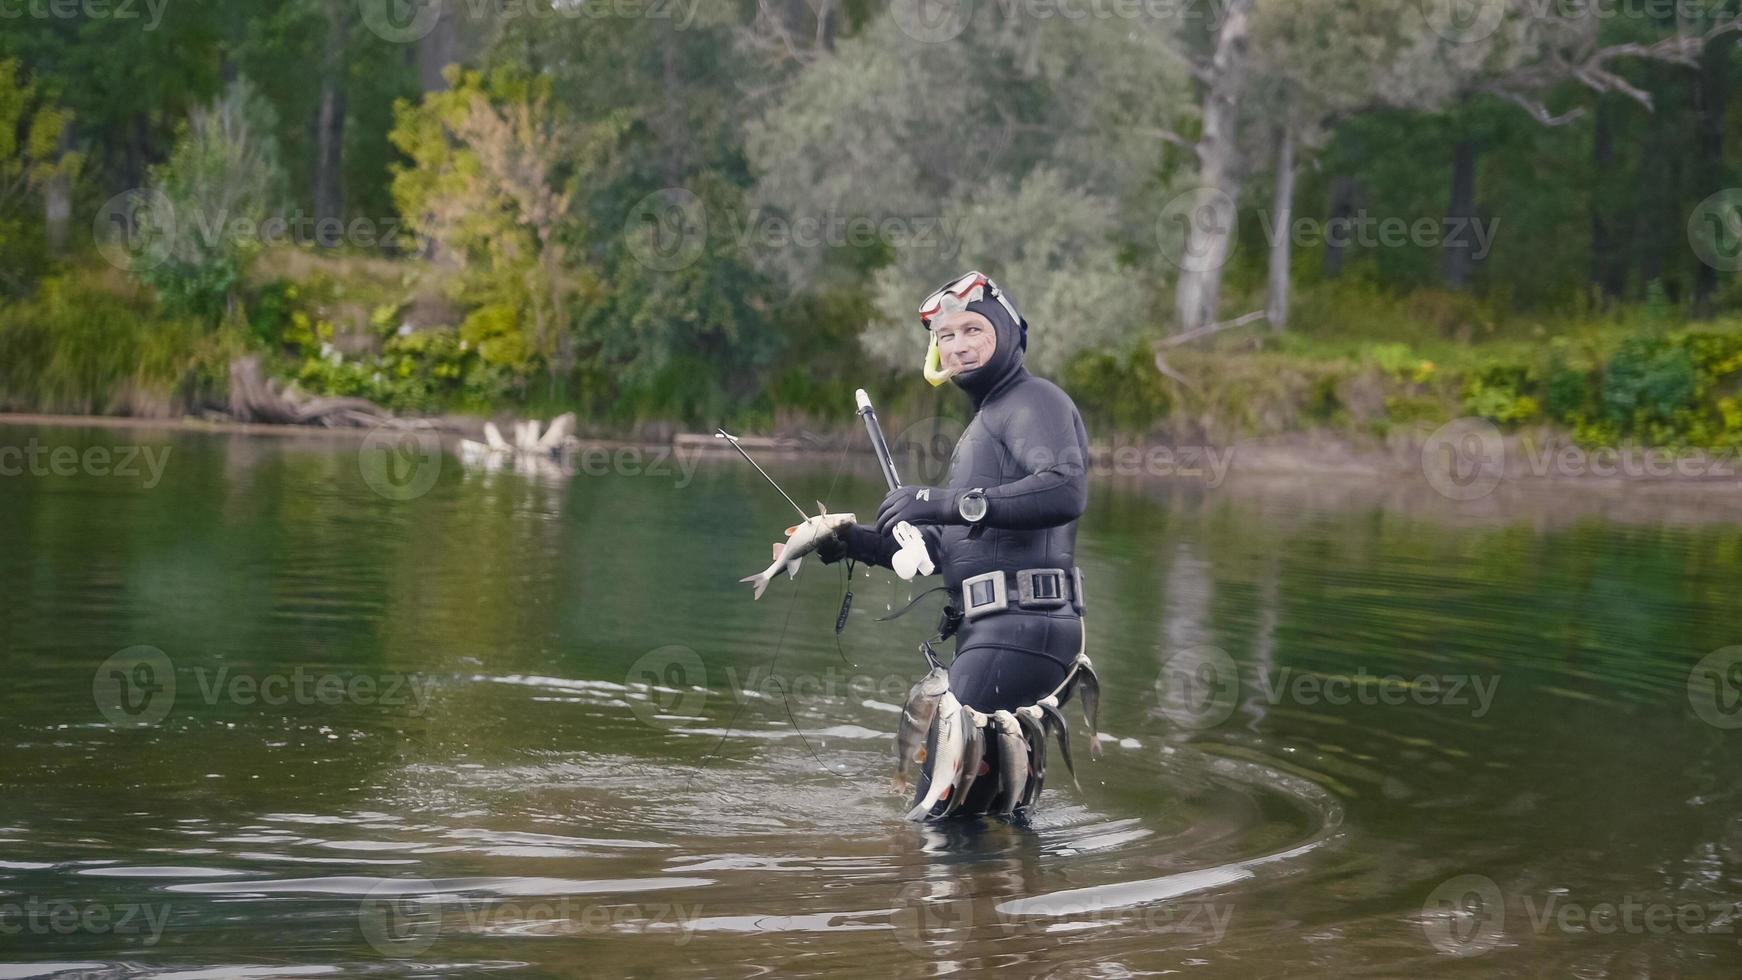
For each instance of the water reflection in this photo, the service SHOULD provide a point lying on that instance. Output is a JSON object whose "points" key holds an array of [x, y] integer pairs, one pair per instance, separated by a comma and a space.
{"points": [[548, 810]]}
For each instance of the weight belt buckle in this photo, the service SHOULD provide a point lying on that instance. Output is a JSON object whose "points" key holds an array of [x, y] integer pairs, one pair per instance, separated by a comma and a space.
{"points": [[984, 593], [1041, 588]]}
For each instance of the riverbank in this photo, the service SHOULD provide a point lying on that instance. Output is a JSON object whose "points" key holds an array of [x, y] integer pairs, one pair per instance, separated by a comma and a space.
{"points": [[1467, 459], [1360, 380]]}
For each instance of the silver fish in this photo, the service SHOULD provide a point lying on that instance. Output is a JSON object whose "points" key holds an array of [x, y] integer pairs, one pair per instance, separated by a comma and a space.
{"points": [[975, 723], [801, 540], [1090, 682], [945, 745], [1050, 718], [916, 716], [1012, 762], [1029, 719]]}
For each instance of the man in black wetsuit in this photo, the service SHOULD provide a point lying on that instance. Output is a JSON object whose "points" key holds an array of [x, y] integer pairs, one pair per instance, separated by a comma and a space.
{"points": [[1003, 531]]}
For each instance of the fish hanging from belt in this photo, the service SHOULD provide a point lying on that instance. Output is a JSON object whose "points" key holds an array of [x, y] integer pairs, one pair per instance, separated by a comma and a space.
{"points": [[963, 747]]}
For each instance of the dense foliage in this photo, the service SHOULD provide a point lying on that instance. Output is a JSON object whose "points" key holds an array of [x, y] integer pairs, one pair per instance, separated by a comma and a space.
{"points": [[694, 212]]}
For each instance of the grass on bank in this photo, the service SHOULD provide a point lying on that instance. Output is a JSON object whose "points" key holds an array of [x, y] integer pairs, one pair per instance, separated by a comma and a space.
{"points": [[1356, 360]]}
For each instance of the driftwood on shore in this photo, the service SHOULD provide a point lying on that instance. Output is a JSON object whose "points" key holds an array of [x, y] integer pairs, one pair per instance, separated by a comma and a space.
{"points": [[257, 398]]}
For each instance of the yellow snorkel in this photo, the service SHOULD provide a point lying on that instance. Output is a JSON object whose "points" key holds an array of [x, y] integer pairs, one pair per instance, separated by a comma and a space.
{"points": [[934, 364]]}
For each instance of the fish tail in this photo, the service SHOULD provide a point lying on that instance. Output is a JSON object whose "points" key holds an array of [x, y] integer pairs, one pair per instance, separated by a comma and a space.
{"points": [[760, 580]]}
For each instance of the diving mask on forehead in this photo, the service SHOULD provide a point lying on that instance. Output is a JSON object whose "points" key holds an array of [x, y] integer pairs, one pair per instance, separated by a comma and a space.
{"points": [[954, 297]]}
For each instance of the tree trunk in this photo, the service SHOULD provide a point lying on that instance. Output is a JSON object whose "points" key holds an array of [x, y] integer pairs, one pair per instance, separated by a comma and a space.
{"points": [[1281, 246], [1709, 91], [1342, 209], [437, 50], [1210, 235], [57, 198], [1459, 241], [329, 189], [1608, 260]]}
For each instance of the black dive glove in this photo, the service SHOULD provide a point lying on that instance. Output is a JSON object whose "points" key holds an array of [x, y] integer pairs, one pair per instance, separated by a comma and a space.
{"points": [[918, 505], [832, 549]]}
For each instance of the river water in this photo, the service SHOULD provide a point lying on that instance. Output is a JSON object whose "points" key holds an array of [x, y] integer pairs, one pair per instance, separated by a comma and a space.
{"points": [[268, 716]]}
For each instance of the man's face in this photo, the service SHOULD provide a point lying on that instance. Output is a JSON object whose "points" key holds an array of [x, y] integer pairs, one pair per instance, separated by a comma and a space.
{"points": [[966, 340]]}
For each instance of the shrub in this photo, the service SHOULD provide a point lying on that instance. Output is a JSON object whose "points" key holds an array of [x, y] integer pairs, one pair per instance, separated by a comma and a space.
{"points": [[82, 346]]}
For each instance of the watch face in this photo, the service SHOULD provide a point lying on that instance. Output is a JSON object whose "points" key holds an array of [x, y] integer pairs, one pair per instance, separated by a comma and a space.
{"points": [[973, 506]]}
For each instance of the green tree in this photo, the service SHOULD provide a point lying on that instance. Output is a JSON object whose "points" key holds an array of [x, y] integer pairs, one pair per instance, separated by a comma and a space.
{"points": [[30, 159], [218, 188]]}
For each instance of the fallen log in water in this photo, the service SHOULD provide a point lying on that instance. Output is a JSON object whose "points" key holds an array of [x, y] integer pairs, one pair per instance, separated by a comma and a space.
{"points": [[257, 398]]}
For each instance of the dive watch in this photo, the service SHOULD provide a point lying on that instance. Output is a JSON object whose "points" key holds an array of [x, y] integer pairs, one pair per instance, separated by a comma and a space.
{"points": [[973, 505]]}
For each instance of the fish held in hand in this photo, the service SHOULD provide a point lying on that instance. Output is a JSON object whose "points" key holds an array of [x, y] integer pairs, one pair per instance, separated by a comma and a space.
{"points": [[801, 540]]}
